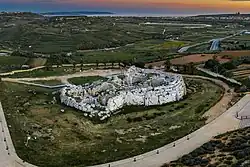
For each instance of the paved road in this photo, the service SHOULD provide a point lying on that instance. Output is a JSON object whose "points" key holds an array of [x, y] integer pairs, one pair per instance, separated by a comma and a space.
{"points": [[8, 156], [215, 43], [5, 158]]}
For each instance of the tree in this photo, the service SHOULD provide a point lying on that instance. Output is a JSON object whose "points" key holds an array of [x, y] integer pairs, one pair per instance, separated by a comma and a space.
{"points": [[49, 67], [191, 68], [167, 64], [112, 64], [81, 64], [139, 64], [74, 65], [211, 63], [97, 63]]}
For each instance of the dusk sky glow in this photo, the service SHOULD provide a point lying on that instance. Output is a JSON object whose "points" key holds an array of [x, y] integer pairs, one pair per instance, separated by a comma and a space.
{"points": [[129, 6]]}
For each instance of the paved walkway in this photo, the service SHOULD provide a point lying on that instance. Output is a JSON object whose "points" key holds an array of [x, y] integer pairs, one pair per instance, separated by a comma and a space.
{"points": [[8, 156], [5, 158]]}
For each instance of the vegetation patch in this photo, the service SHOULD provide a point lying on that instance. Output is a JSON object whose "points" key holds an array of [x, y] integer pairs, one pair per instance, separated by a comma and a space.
{"points": [[61, 136], [83, 80], [36, 62], [229, 149], [48, 82], [9, 63]]}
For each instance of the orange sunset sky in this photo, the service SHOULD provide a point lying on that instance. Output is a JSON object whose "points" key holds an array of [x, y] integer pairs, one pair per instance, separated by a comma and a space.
{"points": [[181, 6]]}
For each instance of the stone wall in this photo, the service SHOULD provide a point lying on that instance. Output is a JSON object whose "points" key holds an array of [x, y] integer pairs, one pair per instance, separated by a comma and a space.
{"points": [[138, 87]]}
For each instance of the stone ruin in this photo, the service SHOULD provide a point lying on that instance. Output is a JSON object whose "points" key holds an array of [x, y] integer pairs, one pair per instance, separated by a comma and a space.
{"points": [[136, 86]]}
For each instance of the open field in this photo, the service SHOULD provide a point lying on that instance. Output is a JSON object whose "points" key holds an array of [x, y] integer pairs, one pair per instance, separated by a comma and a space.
{"points": [[147, 50], [36, 62], [69, 139], [67, 40], [235, 53], [48, 82], [83, 80], [242, 73], [194, 58], [8, 63], [44, 72], [239, 42], [198, 58], [230, 149]]}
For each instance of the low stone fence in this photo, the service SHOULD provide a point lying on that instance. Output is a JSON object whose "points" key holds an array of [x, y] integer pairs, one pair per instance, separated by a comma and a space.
{"points": [[216, 75]]}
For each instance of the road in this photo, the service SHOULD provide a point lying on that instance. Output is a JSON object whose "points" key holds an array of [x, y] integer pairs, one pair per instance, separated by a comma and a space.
{"points": [[215, 43], [8, 156]]}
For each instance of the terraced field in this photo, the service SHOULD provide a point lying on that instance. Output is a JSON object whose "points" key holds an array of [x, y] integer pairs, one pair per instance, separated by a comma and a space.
{"points": [[241, 73]]}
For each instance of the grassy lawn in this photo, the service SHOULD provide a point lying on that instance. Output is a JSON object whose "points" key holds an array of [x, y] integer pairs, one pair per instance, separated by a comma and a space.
{"points": [[230, 149], [48, 82], [69, 139], [46, 72], [83, 80]]}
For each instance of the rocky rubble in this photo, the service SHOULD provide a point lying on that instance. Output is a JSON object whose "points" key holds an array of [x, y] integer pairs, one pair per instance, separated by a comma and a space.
{"points": [[135, 86]]}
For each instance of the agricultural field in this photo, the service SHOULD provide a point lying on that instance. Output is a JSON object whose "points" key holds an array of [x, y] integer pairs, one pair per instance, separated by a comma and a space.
{"points": [[68, 40], [235, 54], [145, 51], [193, 58], [61, 136], [198, 58], [242, 74], [36, 62], [203, 48], [9, 63], [239, 42], [230, 149]]}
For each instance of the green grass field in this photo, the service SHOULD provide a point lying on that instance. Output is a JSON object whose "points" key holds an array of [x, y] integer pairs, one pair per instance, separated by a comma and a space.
{"points": [[48, 82], [69, 139], [83, 80], [46, 72]]}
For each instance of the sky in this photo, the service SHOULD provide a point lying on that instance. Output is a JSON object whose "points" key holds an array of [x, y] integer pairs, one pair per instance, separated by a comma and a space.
{"points": [[174, 7]]}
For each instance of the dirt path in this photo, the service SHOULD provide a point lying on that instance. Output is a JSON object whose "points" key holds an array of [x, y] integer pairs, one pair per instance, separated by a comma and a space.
{"points": [[64, 78], [223, 104], [20, 71]]}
